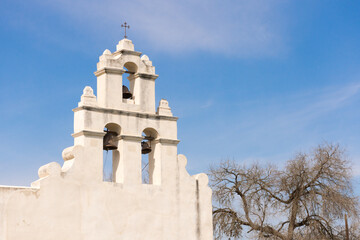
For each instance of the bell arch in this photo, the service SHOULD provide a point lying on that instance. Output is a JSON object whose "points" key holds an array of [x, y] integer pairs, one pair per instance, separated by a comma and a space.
{"points": [[151, 162], [113, 127], [111, 154], [128, 86], [131, 67]]}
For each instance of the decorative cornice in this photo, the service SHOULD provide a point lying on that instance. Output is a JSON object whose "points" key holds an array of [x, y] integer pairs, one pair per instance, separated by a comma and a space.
{"points": [[128, 52], [139, 139], [18, 187], [88, 133], [147, 76], [130, 138], [168, 141], [124, 112], [124, 137], [109, 70]]}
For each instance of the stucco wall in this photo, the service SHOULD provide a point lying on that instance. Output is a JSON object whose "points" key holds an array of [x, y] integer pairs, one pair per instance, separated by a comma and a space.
{"points": [[64, 208]]}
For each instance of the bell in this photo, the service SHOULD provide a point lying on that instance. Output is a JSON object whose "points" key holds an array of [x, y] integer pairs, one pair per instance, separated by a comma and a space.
{"points": [[109, 141], [126, 93], [145, 147]]}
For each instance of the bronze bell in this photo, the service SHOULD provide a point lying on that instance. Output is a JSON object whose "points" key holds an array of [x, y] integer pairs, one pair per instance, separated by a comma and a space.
{"points": [[145, 147], [126, 93], [109, 141]]}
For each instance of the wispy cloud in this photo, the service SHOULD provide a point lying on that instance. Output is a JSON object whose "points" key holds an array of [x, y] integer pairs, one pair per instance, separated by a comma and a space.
{"points": [[275, 129], [297, 111], [207, 104], [191, 108], [306, 107], [239, 28]]}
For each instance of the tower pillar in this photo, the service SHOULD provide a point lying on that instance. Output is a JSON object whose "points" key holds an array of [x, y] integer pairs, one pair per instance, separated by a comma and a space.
{"points": [[128, 169], [143, 86], [109, 87]]}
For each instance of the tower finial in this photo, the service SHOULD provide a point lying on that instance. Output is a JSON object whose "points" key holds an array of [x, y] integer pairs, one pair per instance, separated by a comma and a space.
{"points": [[125, 26]]}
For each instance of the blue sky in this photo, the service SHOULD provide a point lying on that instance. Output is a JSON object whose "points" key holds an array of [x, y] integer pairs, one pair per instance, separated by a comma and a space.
{"points": [[251, 80]]}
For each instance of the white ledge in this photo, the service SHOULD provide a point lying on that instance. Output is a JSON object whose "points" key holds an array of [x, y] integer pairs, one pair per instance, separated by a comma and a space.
{"points": [[18, 187], [88, 133], [125, 112], [168, 141], [109, 70], [146, 76], [127, 52]]}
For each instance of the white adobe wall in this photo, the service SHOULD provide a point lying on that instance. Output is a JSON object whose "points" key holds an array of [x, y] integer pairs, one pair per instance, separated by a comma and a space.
{"points": [[73, 202], [63, 207]]}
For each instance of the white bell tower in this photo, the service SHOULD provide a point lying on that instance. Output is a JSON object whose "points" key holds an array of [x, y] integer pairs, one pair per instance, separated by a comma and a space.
{"points": [[142, 79], [74, 202], [129, 118]]}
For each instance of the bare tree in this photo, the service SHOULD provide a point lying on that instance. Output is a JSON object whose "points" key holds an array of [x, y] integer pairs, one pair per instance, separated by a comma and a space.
{"points": [[305, 200]]}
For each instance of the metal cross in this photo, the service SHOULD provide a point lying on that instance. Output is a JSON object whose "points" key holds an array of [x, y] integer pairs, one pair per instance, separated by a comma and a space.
{"points": [[125, 26]]}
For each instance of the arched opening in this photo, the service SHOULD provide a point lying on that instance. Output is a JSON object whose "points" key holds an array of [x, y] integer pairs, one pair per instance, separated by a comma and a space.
{"points": [[128, 85], [150, 165], [111, 155]]}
